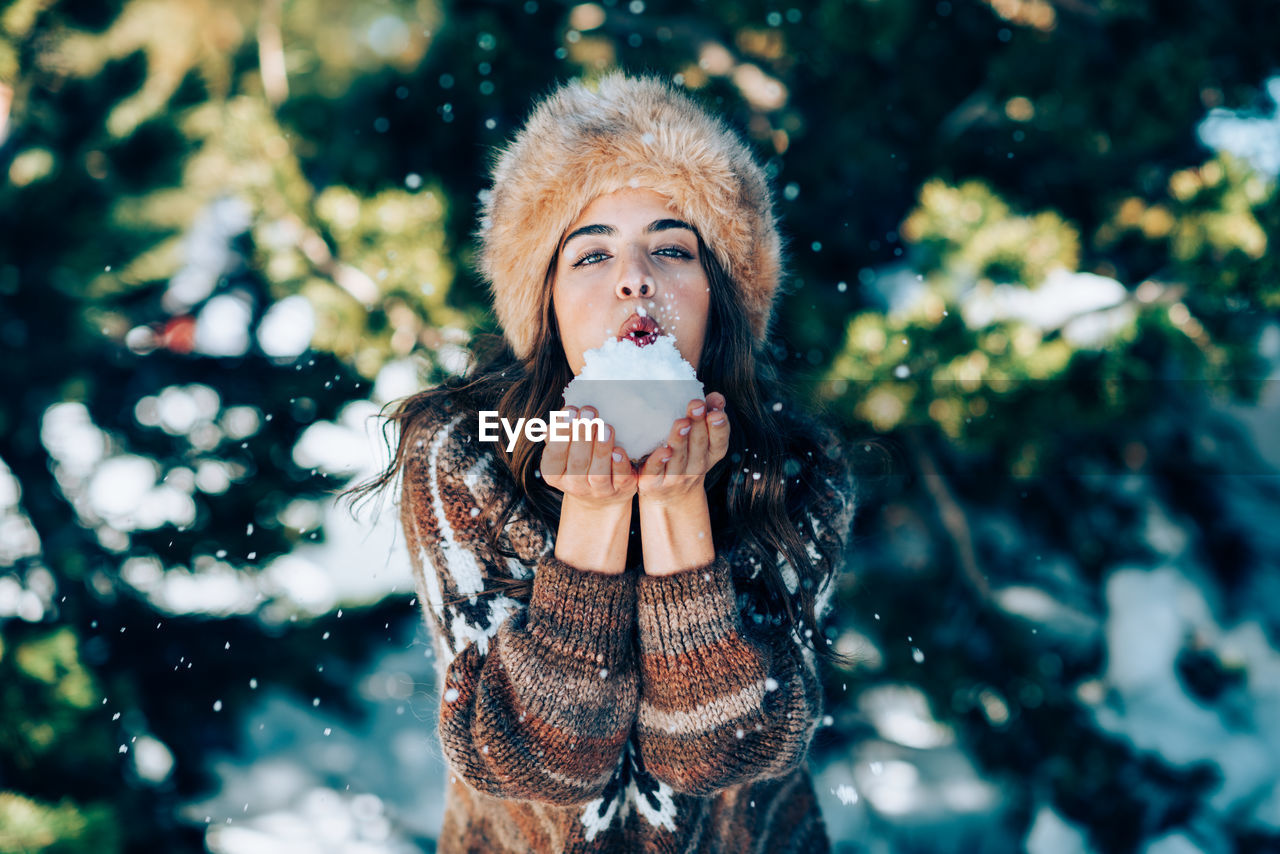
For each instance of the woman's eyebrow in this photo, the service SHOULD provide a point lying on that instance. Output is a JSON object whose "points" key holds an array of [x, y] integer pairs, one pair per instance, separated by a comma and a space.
{"points": [[608, 230]]}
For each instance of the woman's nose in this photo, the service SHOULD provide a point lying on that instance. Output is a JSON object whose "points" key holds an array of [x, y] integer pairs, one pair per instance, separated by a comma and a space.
{"points": [[635, 281], [631, 288]]}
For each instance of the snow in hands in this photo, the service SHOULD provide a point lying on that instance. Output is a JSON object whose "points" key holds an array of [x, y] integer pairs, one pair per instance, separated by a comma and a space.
{"points": [[638, 389], [637, 381]]}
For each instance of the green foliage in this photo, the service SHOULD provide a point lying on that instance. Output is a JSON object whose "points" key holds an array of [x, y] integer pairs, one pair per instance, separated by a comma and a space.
{"points": [[968, 232], [940, 167], [50, 696], [1001, 385], [1212, 222], [31, 827], [53, 661]]}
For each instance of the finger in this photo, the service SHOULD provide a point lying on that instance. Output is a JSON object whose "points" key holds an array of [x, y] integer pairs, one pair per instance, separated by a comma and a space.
{"points": [[655, 463], [602, 458], [555, 454], [579, 446], [698, 439], [678, 441], [717, 436], [716, 401], [622, 471]]}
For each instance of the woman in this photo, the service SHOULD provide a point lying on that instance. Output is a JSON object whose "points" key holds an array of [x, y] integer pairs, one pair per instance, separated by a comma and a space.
{"points": [[626, 654]]}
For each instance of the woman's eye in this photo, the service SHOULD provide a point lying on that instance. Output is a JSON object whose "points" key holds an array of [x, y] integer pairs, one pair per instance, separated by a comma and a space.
{"points": [[581, 262], [675, 252]]}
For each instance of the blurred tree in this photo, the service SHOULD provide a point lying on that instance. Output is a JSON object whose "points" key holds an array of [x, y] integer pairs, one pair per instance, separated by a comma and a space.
{"points": [[220, 222]]}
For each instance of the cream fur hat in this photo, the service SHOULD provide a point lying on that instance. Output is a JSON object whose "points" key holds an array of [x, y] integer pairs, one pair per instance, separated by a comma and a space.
{"points": [[633, 132]]}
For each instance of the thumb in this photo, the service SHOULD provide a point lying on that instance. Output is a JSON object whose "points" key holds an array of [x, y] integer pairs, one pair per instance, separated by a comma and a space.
{"points": [[656, 461]]}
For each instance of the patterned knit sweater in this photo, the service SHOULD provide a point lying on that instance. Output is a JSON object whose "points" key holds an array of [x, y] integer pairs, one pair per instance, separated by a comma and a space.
{"points": [[608, 712]]}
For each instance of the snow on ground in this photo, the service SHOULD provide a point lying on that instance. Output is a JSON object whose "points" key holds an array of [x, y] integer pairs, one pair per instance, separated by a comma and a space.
{"points": [[307, 782]]}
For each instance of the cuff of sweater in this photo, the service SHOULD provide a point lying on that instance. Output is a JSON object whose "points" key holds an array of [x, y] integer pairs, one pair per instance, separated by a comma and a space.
{"points": [[584, 614], [686, 610]]}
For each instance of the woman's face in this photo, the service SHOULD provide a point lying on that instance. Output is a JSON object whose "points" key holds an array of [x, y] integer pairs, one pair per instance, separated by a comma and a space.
{"points": [[630, 267]]}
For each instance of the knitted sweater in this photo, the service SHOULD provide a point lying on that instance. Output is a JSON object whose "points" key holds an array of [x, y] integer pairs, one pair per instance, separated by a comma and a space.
{"points": [[610, 712]]}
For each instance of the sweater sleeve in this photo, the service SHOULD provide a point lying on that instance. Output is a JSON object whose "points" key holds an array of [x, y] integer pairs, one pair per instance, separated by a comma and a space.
{"points": [[726, 695], [537, 700]]}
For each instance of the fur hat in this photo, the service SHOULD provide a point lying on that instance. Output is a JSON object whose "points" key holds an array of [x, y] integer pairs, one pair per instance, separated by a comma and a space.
{"points": [[633, 132]]}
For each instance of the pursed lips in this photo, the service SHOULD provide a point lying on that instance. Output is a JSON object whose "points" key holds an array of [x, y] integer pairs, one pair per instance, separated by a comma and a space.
{"points": [[640, 330]]}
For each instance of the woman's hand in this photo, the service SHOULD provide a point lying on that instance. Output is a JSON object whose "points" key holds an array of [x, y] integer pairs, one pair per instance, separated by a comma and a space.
{"points": [[599, 485], [589, 471], [696, 443]]}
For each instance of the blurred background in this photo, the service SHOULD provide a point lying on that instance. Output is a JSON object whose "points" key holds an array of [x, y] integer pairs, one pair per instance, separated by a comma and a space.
{"points": [[1032, 281]]}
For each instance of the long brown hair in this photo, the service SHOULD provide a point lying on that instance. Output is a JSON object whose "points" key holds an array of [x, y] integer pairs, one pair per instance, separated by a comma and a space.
{"points": [[760, 513]]}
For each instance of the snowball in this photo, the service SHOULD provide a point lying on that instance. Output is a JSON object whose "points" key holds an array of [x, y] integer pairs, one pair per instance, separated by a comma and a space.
{"points": [[639, 391]]}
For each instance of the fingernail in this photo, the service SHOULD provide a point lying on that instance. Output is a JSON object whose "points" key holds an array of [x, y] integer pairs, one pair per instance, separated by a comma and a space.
{"points": [[617, 457], [684, 430], [718, 420], [608, 431], [699, 409]]}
